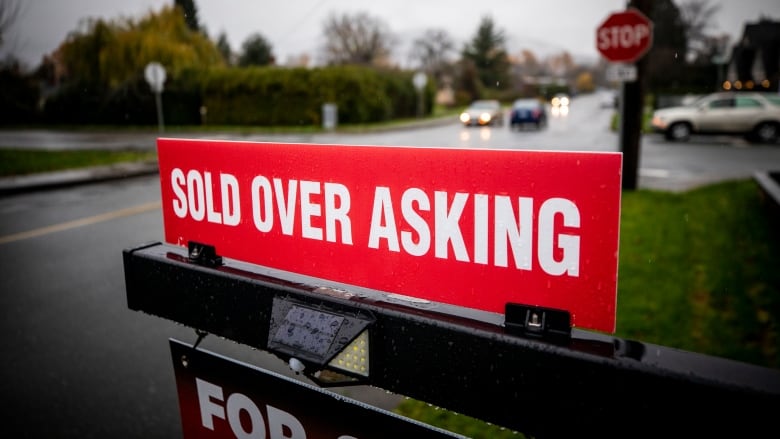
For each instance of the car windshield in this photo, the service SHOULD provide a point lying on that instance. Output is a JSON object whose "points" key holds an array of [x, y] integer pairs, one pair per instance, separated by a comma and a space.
{"points": [[485, 104], [529, 103]]}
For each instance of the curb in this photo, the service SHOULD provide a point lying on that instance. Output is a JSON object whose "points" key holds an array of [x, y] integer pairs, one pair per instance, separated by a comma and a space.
{"points": [[770, 185], [49, 180]]}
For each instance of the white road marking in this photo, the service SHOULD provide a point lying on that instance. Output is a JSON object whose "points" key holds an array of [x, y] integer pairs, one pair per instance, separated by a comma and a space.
{"points": [[658, 173], [121, 213]]}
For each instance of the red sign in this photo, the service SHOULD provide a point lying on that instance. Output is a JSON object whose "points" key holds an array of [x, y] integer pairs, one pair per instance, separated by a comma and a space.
{"points": [[467, 227], [625, 36], [222, 398]]}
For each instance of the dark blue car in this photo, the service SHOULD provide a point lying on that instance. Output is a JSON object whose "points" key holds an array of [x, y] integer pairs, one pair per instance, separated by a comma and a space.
{"points": [[528, 112]]}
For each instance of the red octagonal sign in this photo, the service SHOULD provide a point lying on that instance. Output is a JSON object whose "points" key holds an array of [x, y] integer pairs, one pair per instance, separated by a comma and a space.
{"points": [[625, 36]]}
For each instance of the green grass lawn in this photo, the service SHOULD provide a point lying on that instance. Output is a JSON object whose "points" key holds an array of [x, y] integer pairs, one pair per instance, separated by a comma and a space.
{"points": [[699, 271], [26, 161]]}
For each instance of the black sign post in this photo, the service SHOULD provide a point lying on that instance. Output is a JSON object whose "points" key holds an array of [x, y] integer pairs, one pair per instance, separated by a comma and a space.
{"points": [[625, 37]]}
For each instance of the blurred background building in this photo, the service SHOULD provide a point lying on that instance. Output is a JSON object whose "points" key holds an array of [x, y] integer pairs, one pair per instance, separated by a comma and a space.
{"points": [[755, 59]]}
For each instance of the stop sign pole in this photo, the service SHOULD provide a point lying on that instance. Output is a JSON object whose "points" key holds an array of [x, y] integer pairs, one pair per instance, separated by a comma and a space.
{"points": [[625, 37]]}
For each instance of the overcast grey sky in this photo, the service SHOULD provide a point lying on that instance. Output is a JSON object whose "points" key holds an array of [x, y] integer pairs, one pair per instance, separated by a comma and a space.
{"points": [[294, 27]]}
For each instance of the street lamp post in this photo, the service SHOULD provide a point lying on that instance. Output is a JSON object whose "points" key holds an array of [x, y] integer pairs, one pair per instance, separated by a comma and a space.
{"points": [[419, 80]]}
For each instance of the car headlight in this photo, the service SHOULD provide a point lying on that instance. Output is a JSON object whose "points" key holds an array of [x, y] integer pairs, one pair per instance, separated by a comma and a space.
{"points": [[484, 117], [464, 117], [659, 122]]}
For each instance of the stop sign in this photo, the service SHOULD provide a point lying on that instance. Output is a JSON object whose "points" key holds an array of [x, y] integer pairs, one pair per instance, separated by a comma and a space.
{"points": [[625, 36]]}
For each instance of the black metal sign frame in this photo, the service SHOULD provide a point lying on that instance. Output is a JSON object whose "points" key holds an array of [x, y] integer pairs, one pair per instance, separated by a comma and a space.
{"points": [[590, 384]]}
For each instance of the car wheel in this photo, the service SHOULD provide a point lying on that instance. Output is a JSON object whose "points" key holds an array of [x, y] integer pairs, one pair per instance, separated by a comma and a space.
{"points": [[766, 132], [679, 131]]}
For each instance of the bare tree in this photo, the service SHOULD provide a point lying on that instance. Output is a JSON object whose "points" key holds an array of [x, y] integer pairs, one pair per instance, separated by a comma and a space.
{"points": [[190, 12], [697, 17], [432, 51], [357, 39], [528, 63], [9, 11]]}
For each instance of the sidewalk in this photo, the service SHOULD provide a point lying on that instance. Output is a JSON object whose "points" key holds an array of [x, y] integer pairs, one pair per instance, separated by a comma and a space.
{"points": [[50, 180]]}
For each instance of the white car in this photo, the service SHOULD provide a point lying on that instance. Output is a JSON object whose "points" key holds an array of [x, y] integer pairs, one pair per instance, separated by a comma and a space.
{"points": [[560, 100], [755, 115], [483, 112]]}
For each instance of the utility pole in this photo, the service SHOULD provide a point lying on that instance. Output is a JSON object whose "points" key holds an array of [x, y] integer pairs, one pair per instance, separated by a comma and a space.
{"points": [[632, 111]]}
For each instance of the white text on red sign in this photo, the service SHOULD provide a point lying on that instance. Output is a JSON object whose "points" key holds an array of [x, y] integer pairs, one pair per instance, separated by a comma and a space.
{"points": [[281, 204]]}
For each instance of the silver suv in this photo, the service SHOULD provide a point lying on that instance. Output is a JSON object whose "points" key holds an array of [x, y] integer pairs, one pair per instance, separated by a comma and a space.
{"points": [[753, 114]]}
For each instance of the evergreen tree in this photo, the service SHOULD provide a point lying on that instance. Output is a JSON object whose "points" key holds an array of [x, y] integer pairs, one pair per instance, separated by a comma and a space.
{"points": [[223, 45], [256, 51], [666, 64], [190, 13], [487, 53]]}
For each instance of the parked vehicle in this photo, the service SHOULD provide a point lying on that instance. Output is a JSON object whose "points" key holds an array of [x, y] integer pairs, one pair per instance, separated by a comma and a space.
{"points": [[527, 112], [483, 112], [755, 115]]}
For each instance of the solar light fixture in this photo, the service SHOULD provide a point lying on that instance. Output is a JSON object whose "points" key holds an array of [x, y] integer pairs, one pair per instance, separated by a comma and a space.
{"points": [[328, 345]]}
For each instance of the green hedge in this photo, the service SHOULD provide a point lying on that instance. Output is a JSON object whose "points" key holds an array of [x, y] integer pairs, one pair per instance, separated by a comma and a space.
{"points": [[268, 96], [258, 96], [130, 103]]}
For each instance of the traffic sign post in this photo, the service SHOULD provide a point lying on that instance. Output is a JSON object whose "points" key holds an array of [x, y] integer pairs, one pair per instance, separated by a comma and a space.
{"points": [[155, 76], [624, 36], [623, 39], [419, 80], [619, 72]]}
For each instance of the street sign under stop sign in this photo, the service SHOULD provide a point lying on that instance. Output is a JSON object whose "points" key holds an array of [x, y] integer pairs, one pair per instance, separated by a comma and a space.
{"points": [[625, 36]]}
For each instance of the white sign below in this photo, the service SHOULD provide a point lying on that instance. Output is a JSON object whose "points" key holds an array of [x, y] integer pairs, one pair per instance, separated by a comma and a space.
{"points": [[621, 72]]}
